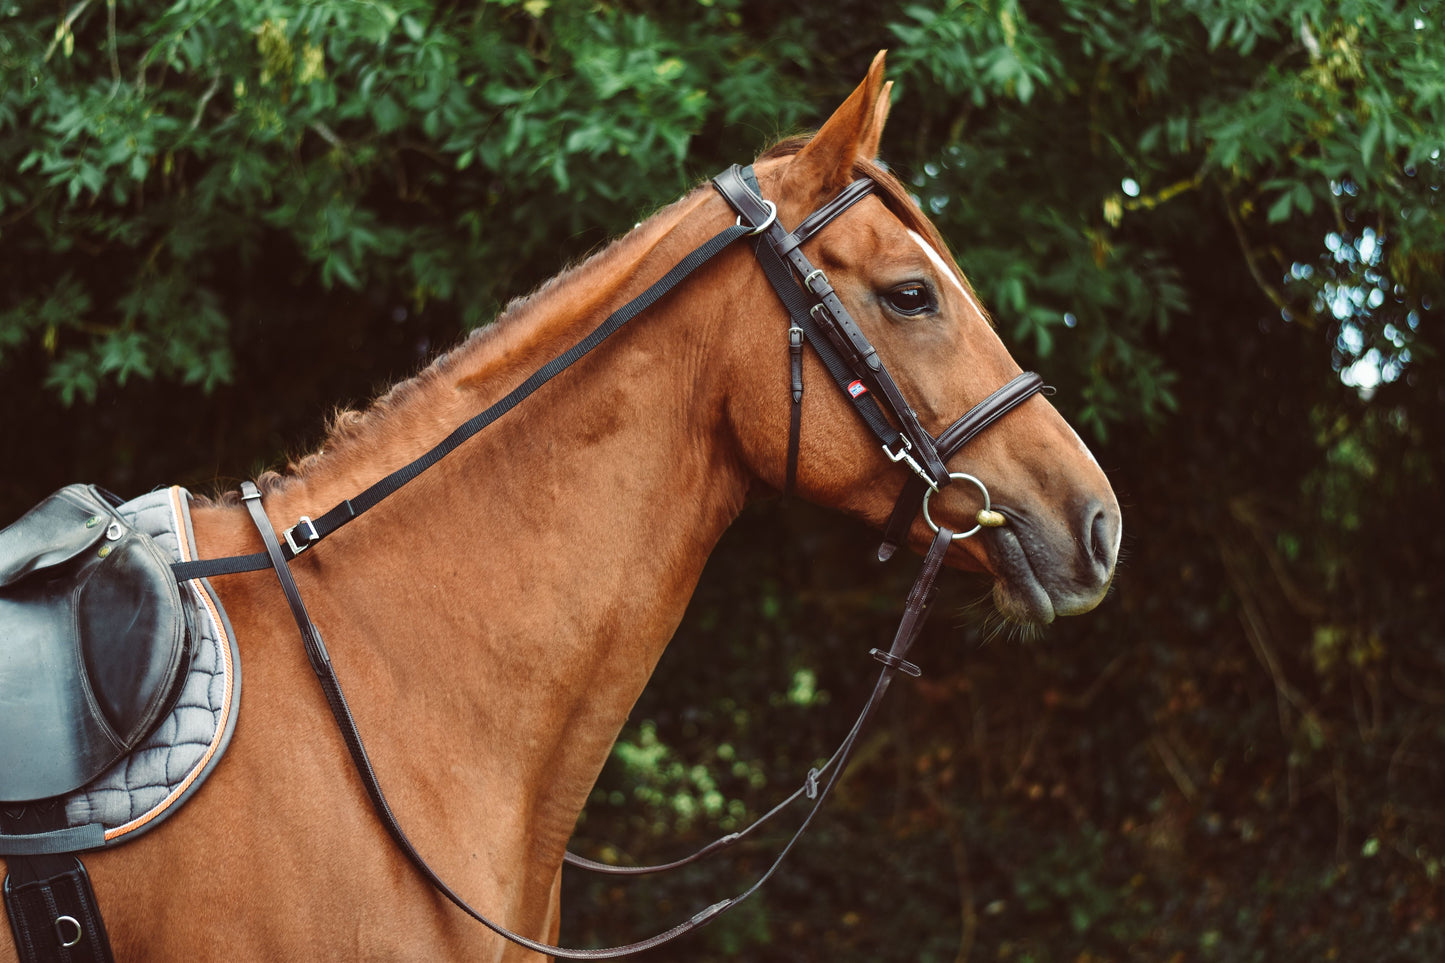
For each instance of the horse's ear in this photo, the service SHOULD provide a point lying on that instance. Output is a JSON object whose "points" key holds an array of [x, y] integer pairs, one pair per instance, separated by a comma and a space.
{"points": [[853, 131], [868, 146]]}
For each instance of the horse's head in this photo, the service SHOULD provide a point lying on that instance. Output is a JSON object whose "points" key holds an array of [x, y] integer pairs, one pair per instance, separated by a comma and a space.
{"points": [[1055, 553]]}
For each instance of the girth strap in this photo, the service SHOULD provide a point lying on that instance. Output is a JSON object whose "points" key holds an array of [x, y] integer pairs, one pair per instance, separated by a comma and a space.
{"points": [[53, 913]]}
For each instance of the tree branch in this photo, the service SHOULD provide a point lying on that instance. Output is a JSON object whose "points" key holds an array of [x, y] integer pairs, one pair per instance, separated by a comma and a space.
{"points": [[64, 28]]}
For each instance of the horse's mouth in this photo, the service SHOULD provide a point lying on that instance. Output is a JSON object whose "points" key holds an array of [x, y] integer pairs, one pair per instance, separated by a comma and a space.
{"points": [[1032, 583], [1017, 592]]}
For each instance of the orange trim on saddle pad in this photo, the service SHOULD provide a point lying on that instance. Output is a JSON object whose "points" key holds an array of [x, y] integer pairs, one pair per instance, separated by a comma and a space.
{"points": [[212, 612]]}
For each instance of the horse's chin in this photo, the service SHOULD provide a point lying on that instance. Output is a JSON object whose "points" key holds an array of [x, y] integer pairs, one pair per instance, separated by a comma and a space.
{"points": [[1019, 596]]}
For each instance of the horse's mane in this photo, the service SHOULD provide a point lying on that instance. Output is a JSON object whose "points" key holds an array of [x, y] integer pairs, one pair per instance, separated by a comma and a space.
{"points": [[349, 427]]}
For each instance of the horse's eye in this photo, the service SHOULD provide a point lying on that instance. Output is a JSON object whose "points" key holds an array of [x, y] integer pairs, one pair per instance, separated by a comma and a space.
{"points": [[911, 298]]}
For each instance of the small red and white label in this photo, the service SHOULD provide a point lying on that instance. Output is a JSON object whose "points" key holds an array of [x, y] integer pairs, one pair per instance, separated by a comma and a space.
{"points": [[856, 389]]}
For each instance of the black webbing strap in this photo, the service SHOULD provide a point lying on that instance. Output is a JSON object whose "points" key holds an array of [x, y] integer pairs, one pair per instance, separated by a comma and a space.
{"points": [[915, 610], [950, 441], [308, 532]]}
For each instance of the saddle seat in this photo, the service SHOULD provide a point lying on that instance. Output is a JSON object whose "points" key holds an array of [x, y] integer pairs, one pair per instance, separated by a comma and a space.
{"points": [[94, 642]]}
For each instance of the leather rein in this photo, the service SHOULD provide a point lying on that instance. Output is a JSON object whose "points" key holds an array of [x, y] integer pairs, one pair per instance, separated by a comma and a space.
{"points": [[817, 316]]}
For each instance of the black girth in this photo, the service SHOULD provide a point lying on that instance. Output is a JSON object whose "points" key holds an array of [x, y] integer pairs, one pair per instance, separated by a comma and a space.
{"points": [[817, 317]]}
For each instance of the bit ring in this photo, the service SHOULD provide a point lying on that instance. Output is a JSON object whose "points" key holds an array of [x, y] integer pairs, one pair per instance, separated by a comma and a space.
{"points": [[986, 517]]}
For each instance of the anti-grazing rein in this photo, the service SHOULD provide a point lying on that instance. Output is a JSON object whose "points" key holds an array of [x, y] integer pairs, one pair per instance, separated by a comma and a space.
{"points": [[817, 316]]}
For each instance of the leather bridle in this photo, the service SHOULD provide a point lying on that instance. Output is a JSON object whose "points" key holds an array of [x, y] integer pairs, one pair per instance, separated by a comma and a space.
{"points": [[817, 317], [820, 317]]}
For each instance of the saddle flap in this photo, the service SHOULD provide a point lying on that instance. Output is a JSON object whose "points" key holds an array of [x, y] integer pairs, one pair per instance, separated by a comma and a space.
{"points": [[52, 533], [93, 641]]}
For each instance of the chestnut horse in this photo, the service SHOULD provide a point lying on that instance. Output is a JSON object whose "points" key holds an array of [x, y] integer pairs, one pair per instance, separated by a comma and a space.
{"points": [[495, 619]]}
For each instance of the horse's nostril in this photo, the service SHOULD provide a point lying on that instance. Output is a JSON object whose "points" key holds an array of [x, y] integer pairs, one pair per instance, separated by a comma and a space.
{"points": [[1101, 536]]}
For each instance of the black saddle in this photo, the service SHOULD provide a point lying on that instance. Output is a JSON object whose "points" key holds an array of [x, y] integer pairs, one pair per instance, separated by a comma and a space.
{"points": [[94, 642]]}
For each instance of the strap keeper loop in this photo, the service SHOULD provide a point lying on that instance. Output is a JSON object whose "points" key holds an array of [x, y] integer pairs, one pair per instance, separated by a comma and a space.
{"points": [[894, 662]]}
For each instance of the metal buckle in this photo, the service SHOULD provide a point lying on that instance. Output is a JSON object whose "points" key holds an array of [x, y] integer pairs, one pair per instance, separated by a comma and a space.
{"points": [[902, 455], [308, 532], [808, 281]]}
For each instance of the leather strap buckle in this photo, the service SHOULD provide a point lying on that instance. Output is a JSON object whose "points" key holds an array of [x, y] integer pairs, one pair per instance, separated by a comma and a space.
{"points": [[306, 538]]}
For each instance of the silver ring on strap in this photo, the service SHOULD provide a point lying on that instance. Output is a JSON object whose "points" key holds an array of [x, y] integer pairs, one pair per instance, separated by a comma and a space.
{"points": [[64, 923], [987, 505], [772, 216]]}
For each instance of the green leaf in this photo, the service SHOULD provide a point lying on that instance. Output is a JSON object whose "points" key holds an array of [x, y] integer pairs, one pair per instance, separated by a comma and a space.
{"points": [[1369, 137], [1280, 209], [387, 113]]}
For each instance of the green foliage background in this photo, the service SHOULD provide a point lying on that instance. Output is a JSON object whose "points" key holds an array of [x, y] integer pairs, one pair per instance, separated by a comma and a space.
{"points": [[1216, 225]]}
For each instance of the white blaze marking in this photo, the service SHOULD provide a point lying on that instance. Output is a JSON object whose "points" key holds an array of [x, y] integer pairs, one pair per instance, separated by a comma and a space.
{"points": [[1084, 448], [946, 269]]}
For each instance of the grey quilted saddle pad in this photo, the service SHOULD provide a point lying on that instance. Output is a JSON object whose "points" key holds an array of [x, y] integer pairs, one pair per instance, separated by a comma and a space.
{"points": [[142, 789]]}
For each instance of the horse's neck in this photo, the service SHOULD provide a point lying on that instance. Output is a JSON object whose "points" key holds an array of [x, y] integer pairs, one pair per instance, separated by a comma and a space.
{"points": [[516, 596]]}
